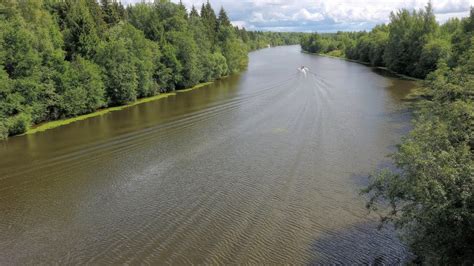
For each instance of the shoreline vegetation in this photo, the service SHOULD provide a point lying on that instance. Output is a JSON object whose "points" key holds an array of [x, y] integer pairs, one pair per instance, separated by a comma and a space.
{"points": [[342, 57], [62, 122], [416, 94], [429, 194], [63, 61]]}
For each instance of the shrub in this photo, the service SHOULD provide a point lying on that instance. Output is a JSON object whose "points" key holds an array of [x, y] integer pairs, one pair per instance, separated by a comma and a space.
{"points": [[19, 124]]}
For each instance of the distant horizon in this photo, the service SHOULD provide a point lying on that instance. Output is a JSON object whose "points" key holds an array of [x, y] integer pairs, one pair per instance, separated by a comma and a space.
{"points": [[321, 16]]}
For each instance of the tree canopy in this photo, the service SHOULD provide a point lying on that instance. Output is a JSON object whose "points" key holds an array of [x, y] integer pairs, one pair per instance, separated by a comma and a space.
{"points": [[430, 192], [412, 43], [65, 58]]}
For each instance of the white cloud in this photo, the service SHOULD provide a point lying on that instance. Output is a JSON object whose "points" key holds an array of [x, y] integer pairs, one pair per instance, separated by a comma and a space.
{"points": [[324, 15], [240, 23], [257, 17], [304, 14]]}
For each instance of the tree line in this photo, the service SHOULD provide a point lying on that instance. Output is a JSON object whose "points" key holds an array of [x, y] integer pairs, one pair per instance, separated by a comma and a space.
{"points": [[412, 43], [430, 194], [61, 59]]}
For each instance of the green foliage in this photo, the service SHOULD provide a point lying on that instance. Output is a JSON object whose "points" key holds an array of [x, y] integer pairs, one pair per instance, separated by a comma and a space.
{"points": [[18, 124], [20, 59], [113, 11], [215, 66], [412, 43], [336, 53], [116, 59], [314, 43], [147, 19], [169, 70], [371, 47], [186, 54], [83, 88], [232, 48], [3, 129], [431, 195], [145, 54], [431, 198], [62, 59], [462, 39], [209, 19], [223, 19], [432, 52], [80, 31], [408, 34]]}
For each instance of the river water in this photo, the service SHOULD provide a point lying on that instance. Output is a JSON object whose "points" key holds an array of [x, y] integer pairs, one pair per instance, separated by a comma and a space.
{"points": [[261, 167]]}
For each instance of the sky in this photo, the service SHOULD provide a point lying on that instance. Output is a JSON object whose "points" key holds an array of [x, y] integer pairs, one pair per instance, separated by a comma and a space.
{"points": [[323, 15]]}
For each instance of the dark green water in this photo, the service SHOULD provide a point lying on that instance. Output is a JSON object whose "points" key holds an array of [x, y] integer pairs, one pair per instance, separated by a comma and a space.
{"points": [[264, 167]]}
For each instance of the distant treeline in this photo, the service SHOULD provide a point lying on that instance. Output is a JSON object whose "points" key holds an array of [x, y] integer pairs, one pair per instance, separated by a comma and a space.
{"points": [[411, 44], [430, 197], [61, 59]]}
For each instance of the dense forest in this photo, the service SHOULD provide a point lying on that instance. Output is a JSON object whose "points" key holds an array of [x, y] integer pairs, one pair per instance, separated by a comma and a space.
{"points": [[61, 59], [412, 43], [430, 196]]}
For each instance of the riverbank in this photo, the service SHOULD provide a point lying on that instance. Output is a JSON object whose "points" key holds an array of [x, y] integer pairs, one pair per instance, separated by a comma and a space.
{"points": [[57, 123], [366, 64], [416, 94], [212, 146]]}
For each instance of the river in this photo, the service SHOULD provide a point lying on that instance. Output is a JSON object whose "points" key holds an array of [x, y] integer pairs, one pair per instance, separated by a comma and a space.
{"points": [[261, 167]]}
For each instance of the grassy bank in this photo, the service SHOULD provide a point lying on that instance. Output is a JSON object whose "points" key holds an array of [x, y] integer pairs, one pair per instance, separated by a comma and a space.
{"points": [[57, 123], [197, 86]]}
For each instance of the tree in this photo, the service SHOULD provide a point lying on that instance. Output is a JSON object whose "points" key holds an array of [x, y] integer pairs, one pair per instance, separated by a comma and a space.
{"points": [[379, 39], [120, 74], [462, 40], [209, 20], [433, 51], [431, 196], [66, 58], [81, 37], [186, 55], [82, 88], [145, 54], [20, 58], [223, 19], [235, 53], [169, 70], [147, 18], [113, 11], [313, 43], [408, 33], [194, 13], [215, 66]]}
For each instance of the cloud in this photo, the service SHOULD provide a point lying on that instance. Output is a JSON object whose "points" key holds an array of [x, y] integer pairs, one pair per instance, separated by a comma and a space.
{"points": [[305, 15], [323, 15]]}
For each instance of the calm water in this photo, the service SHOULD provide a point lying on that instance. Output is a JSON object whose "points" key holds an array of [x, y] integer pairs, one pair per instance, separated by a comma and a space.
{"points": [[261, 167]]}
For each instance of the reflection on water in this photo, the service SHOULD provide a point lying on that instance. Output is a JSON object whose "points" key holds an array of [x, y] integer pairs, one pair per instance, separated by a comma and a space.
{"points": [[257, 167]]}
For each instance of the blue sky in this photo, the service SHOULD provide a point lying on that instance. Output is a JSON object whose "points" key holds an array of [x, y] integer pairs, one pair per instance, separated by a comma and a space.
{"points": [[323, 15]]}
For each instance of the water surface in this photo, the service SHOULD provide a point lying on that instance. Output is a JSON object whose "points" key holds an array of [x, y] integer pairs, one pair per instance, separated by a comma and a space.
{"points": [[262, 167]]}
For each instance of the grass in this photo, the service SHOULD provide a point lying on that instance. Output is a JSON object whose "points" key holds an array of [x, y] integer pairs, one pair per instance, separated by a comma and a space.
{"points": [[57, 123], [196, 87], [336, 53], [417, 94]]}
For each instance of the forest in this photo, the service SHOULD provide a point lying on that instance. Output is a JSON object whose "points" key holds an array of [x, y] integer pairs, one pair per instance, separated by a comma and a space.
{"points": [[430, 195], [412, 43], [61, 59]]}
